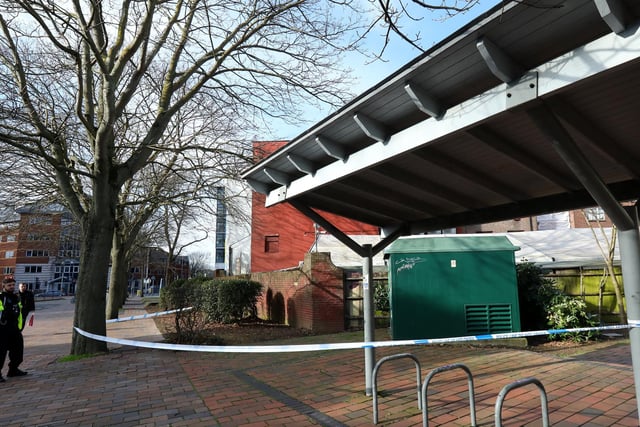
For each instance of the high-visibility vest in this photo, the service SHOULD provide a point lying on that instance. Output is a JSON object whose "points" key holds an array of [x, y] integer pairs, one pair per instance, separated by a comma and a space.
{"points": [[19, 312]]}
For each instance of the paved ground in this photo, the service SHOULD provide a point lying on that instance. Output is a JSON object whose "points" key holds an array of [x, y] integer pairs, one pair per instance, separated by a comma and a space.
{"points": [[141, 387]]}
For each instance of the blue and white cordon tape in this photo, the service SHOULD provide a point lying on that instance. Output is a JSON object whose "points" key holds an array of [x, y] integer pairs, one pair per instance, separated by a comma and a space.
{"points": [[339, 346], [633, 323], [146, 316]]}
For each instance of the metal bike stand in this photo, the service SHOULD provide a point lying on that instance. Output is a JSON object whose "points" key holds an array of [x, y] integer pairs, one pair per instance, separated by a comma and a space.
{"points": [[425, 385], [517, 384], [374, 383]]}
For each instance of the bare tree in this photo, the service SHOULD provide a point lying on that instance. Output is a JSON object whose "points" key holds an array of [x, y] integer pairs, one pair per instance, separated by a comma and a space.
{"points": [[199, 264], [395, 17], [608, 250], [90, 87], [169, 179]]}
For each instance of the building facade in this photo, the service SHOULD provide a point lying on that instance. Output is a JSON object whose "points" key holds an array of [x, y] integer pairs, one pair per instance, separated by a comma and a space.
{"points": [[41, 247], [281, 235], [150, 270]]}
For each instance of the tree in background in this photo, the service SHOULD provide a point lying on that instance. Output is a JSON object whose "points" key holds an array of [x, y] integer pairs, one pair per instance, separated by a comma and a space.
{"points": [[608, 250], [199, 264], [171, 183]]}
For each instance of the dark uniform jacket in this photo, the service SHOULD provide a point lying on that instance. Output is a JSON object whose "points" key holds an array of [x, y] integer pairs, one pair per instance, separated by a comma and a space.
{"points": [[28, 304], [10, 316]]}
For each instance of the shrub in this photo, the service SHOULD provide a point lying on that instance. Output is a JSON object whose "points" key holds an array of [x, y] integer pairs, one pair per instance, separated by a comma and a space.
{"points": [[233, 299], [381, 295], [218, 300], [535, 293], [565, 312], [180, 295]]}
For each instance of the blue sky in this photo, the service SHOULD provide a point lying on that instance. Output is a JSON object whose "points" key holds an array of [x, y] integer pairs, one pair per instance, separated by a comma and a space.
{"points": [[432, 30]]}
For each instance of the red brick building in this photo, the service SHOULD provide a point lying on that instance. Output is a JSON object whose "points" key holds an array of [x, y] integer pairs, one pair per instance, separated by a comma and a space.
{"points": [[280, 234], [40, 247]]}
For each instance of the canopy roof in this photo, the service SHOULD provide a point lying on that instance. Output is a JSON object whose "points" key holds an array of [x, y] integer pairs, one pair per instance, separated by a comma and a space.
{"points": [[478, 128]]}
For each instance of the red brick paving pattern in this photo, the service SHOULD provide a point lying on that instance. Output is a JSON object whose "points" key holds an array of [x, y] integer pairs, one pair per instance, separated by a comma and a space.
{"points": [[139, 387]]}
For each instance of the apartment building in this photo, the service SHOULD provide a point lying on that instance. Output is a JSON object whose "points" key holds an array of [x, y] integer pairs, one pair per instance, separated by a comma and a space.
{"points": [[41, 247]]}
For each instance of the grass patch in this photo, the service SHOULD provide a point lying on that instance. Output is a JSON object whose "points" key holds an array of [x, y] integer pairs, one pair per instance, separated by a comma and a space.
{"points": [[74, 357]]}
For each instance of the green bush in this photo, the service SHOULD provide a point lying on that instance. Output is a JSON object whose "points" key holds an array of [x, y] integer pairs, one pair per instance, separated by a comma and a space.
{"points": [[535, 293], [217, 300], [543, 305], [234, 299], [186, 296], [381, 295], [565, 312]]}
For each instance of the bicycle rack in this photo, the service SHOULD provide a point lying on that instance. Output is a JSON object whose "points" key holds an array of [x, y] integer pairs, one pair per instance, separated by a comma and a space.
{"points": [[517, 384], [425, 385], [374, 382]]}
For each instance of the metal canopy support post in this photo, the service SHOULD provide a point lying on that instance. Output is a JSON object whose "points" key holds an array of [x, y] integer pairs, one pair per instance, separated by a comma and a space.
{"points": [[629, 241], [627, 224], [366, 252], [369, 316]]}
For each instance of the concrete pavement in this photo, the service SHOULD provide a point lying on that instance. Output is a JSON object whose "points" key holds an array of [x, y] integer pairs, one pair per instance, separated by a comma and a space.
{"points": [[143, 387]]}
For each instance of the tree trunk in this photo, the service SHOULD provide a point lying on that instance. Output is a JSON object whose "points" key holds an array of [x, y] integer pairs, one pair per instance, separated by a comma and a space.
{"points": [[91, 288], [118, 280]]}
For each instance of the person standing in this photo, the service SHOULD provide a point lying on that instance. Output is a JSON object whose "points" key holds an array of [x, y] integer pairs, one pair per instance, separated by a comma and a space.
{"points": [[28, 303], [10, 325]]}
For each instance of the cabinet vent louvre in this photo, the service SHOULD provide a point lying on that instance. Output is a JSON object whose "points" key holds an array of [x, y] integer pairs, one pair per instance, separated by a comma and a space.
{"points": [[488, 318]]}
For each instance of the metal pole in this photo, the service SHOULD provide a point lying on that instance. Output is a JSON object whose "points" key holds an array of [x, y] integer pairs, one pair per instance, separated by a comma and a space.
{"points": [[630, 260], [627, 224], [369, 315]]}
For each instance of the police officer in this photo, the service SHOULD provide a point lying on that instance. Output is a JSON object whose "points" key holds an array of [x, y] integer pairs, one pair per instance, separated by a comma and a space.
{"points": [[10, 325], [28, 302]]}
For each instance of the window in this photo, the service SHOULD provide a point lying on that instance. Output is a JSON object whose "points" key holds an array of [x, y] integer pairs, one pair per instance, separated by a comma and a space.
{"points": [[37, 236], [272, 244], [11, 238], [8, 254], [594, 214], [75, 253], [33, 269], [38, 252], [7, 270], [45, 220]]}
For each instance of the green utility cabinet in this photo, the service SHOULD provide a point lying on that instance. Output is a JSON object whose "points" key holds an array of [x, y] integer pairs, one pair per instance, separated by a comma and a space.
{"points": [[443, 286]]}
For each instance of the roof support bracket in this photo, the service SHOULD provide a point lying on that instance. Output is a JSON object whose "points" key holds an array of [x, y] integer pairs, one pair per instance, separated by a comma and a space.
{"points": [[498, 61], [390, 238], [614, 13], [372, 128], [324, 223], [302, 164], [258, 186], [277, 176], [522, 90], [424, 101], [332, 148], [578, 163]]}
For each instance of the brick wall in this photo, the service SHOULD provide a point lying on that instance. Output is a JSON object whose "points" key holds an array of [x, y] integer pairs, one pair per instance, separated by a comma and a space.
{"points": [[309, 297], [577, 220], [294, 232]]}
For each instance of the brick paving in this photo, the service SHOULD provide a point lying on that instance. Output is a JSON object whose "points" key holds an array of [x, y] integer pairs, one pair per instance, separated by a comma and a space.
{"points": [[143, 387]]}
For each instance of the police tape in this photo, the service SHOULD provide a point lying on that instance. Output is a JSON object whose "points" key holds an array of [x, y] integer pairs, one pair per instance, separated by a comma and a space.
{"points": [[147, 316], [334, 346]]}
